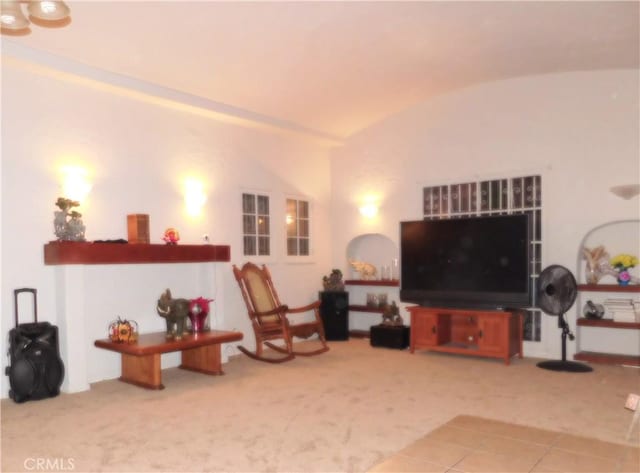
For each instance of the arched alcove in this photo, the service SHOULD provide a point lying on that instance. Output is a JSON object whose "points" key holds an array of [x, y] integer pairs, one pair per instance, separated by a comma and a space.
{"points": [[374, 248], [621, 236], [614, 339]]}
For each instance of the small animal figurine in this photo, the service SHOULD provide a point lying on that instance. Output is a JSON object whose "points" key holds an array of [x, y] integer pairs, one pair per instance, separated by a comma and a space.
{"points": [[391, 315], [175, 311], [333, 282], [367, 270]]}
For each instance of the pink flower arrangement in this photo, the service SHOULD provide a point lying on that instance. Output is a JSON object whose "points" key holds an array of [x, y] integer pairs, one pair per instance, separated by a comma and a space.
{"points": [[171, 236], [199, 305]]}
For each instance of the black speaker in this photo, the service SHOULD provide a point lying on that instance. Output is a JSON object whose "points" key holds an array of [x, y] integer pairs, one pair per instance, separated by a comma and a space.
{"points": [[36, 370], [334, 311]]}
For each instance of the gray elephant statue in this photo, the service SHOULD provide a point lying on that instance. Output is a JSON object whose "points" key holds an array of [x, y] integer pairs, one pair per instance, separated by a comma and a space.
{"points": [[175, 311]]}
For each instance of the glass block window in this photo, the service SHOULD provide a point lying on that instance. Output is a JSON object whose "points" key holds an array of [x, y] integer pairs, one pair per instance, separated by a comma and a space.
{"points": [[298, 228], [496, 197], [256, 225]]}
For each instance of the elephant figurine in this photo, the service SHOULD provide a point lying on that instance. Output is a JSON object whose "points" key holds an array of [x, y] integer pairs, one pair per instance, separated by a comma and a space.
{"points": [[175, 311]]}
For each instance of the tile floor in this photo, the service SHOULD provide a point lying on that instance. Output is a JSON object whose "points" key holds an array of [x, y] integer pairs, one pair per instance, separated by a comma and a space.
{"points": [[473, 444]]}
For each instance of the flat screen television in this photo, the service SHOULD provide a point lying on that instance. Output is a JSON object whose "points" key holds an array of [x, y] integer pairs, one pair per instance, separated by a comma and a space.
{"points": [[478, 262]]}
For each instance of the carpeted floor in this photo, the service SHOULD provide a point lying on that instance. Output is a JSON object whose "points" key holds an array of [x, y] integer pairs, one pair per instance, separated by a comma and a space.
{"points": [[343, 411], [473, 444]]}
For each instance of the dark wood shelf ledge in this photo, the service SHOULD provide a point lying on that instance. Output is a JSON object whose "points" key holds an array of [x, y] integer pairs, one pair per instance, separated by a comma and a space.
{"points": [[607, 358], [366, 308], [609, 288], [73, 252], [607, 323], [373, 282]]}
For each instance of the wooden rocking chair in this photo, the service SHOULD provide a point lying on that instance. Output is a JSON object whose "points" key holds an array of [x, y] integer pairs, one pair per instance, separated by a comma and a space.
{"points": [[269, 317]]}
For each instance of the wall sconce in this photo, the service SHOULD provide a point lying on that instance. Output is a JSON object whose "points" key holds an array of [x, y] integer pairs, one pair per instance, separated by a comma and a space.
{"points": [[369, 210], [47, 13], [627, 191], [194, 197], [75, 183]]}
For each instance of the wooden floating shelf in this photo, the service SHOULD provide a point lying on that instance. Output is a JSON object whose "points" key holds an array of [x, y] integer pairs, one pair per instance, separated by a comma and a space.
{"points": [[607, 358], [608, 288], [366, 308], [73, 252], [607, 323], [374, 282]]}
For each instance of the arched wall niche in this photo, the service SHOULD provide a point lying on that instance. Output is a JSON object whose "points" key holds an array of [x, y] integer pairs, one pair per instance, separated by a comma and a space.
{"points": [[374, 248], [620, 236]]}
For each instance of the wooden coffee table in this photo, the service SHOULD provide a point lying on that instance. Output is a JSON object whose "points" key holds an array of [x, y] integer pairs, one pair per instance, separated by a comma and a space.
{"points": [[141, 360]]}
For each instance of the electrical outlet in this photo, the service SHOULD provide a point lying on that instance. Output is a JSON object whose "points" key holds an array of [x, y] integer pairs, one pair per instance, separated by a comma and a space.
{"points": [[632, 402]]}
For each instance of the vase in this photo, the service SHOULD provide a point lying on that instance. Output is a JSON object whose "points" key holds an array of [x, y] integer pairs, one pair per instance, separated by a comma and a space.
{"points": [[624, 277], [592, 275], [198, 321]]}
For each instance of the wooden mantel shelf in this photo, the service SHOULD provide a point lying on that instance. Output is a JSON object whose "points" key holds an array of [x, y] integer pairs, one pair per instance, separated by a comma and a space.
{"points": [[72, 252]]}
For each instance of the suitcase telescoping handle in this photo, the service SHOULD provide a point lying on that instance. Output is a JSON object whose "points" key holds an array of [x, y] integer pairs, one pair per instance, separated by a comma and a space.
{"points": [[35, 302]]}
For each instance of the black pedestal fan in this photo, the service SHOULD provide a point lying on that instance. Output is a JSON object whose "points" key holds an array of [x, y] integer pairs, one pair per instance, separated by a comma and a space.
{"points": [[556, 293]]}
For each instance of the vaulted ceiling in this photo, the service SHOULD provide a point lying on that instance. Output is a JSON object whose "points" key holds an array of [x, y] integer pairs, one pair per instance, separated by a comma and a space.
{"points": [[338, 67]]}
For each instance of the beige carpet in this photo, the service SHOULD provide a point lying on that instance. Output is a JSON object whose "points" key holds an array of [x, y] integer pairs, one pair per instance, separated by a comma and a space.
{"points": [[474, 444], [346, 410]]}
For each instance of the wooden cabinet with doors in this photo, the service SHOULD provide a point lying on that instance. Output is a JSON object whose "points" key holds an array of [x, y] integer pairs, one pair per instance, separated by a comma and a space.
{"points": [[488, 333]]}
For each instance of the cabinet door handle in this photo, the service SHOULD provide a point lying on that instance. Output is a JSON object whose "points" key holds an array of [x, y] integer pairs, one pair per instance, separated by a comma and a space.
{"points": [[433, 329], [480, 334]]}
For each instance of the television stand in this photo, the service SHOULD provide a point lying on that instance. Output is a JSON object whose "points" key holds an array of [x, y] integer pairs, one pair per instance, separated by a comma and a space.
{"points": [[487, 333]]}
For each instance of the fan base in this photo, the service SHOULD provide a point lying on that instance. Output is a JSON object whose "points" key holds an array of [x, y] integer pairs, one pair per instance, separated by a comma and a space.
{"points": [[564, 365]]}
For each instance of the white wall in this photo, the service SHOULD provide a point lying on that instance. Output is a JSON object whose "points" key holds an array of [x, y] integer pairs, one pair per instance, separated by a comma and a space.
{"points": [[137, 153], [578, 130]]}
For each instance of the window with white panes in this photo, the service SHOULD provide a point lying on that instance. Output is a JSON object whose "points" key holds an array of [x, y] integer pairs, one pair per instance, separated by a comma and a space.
{"points": [[496, 197], [256, 225], [298, 228]]}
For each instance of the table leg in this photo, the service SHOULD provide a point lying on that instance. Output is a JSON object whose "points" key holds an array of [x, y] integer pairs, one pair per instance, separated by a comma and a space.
{"points": [[204, 359], [143, 371]]}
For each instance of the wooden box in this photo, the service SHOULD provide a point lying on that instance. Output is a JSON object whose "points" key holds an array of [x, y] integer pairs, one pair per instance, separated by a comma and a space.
{"points": [[138, 228]]}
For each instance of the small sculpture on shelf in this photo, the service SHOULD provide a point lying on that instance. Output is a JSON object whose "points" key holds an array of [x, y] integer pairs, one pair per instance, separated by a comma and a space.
{"points": [[171, 236], [333, 282], [175, 311], [391, 315], [367, 270], [593, 311], [595, 258], [123, 331], [67, 223]]}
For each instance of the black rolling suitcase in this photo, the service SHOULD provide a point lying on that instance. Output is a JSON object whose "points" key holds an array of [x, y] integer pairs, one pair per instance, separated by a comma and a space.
{"points": [[36, 370]]}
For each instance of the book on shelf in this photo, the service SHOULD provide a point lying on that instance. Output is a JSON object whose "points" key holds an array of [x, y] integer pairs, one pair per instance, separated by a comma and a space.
{"points": [[622, 309], [618, 302], [629, 318]]}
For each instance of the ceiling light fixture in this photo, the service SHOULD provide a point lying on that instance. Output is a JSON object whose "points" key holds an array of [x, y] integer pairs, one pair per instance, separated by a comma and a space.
{"points": [[626, 191], [46, 13]]}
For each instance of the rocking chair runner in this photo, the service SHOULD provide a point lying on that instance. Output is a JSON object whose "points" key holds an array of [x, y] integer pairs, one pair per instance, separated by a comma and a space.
{"points": [[269, 316]]}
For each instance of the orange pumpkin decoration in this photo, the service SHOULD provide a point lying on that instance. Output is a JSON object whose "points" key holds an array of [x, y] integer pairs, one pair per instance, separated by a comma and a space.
{"points": [[123, 331]]}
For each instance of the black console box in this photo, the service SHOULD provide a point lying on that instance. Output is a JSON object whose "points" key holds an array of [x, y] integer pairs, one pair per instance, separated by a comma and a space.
{"points": [[390, 336]]}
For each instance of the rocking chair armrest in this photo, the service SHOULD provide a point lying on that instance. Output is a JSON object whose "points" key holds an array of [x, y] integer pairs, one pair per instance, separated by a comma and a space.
{"points": [[278, 310], [313, 306]]}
